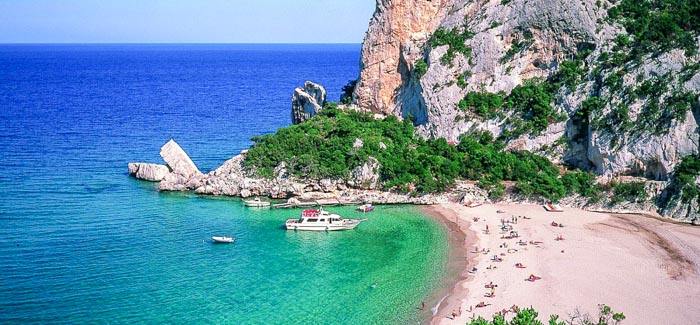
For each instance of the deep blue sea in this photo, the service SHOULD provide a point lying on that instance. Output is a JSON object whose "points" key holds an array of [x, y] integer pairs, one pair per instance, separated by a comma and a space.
{"points": [[82, 242]]}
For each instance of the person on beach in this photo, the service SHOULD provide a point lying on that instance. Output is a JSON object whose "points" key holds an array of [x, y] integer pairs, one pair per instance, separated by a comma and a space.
{"points": [[533, 278], [491, 294]]}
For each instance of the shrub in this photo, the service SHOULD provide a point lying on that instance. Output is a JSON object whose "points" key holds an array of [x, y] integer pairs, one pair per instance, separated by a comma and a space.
{"points": [[528, 316], [659, 24], [455, 42], [420, 68], [632, 192], [684, 176]]}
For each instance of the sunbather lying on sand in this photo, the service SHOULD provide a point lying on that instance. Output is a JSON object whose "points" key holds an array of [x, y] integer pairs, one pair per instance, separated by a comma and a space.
{"points": [[482, 304], [535, 242], [560, 237], [519, 265], [490, 285], [533, 278], [554, 224]]}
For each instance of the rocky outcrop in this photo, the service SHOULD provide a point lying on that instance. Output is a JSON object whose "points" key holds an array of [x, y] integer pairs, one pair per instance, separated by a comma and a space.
{"points": [[148, 172], [366, 176], [307, 101], [184, 173]]}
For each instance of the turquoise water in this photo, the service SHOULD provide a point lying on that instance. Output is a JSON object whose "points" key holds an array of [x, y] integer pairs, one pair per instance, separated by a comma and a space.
{"points": [[82, 242]]}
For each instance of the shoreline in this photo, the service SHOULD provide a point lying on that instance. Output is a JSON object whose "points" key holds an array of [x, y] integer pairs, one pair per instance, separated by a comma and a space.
{"points": [[461, 240], [626, 261]]}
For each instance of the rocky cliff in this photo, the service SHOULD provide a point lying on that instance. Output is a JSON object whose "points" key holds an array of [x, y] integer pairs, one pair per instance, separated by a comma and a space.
{"points": [[622, 102], [396, 32]]}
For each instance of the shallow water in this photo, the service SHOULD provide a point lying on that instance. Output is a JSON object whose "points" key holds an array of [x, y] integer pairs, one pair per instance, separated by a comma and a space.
{"points": [[80, 241]]}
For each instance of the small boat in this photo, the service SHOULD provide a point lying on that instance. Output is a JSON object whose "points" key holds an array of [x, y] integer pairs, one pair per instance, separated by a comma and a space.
{"points": [[471, 204], [321, 220], [366, 207], [553, 207], [256, 203], [222, 239]]}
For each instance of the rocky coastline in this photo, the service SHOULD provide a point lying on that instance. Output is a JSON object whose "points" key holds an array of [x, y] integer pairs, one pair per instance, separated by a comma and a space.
{"points": [[179, 173]]}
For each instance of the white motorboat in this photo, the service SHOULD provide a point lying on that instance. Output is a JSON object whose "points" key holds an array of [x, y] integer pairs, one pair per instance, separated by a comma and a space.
{"points": [[321, 220], [223, 239], [256, 203], [366, 207]]}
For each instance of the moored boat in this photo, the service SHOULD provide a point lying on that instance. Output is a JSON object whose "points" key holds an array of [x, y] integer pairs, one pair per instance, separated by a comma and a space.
{"points": [[366, 207], [256, 203], [223, 239], [321, 220]]}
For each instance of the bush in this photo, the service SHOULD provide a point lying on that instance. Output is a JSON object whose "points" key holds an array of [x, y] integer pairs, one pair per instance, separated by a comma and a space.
{"points": [[631, 192], [684, 176], [485, 105], [659, 24], [420, 68], [455, 42], [528, 316], [529, 103], [346, 97]]}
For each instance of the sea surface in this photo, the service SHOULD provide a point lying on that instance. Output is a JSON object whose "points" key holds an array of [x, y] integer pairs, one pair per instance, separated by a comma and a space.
{"points": [[82, 242]]}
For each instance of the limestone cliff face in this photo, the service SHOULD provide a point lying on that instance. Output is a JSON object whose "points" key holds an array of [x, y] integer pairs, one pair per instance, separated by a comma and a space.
{"points": [[628, 133], [397, 37], [396, 31]]}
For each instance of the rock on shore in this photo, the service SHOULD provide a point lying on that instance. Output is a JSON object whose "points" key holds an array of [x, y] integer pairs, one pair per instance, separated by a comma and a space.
{"points": [[148, 172], [307, 101]]}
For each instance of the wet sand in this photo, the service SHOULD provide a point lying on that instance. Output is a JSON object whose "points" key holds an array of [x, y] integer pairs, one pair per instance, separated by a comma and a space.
{"points": [[461, 240]]}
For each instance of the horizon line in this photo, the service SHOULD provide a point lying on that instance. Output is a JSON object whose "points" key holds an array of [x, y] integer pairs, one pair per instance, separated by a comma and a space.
{"points": [[241, 43]]}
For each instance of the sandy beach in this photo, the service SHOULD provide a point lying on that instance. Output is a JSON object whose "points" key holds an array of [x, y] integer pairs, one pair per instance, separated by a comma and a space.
{"points": [[642, 266]]}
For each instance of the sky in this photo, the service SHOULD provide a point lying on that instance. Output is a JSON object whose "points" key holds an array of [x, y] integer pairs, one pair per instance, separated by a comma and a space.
{"points": [[180, 21]]}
